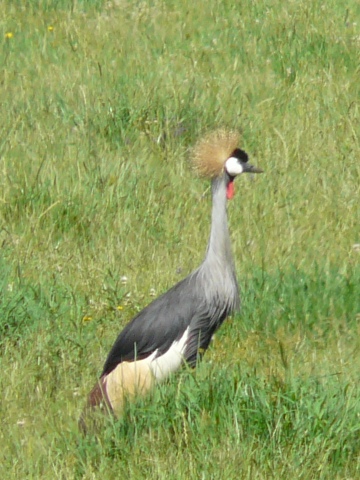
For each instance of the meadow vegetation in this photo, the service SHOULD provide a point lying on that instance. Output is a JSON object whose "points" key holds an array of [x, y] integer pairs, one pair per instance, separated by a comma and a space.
{"points": [[100, 212]]}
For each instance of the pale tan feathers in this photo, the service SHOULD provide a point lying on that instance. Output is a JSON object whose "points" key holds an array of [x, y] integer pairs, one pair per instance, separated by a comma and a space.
{"points": [[126, 381], [211, 152]]}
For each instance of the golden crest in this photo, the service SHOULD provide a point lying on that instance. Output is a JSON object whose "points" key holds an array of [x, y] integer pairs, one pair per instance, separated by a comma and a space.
{"points": [[211, 152]]}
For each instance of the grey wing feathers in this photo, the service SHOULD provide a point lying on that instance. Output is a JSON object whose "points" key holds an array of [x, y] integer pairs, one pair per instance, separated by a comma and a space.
{"points": [[202, 329], [157, 326]]}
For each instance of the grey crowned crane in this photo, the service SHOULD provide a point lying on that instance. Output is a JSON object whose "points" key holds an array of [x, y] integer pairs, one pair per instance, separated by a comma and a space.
{"points": [[177, 326]]}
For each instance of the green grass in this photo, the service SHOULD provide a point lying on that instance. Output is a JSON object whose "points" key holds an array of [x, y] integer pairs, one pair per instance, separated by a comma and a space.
{"points": [[101, 102]]}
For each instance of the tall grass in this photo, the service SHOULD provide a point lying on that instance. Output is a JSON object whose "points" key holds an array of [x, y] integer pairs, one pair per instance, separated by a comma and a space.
{"points": [[99, 212]]}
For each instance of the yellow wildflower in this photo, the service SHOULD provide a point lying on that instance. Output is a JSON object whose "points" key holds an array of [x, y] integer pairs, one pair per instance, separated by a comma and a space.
{"points": [[87, 318], [50, 28], [9, 35], [119, 307]]}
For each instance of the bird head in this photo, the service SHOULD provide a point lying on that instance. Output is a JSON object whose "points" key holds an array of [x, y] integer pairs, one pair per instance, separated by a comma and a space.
{"points": [[217, 153]]}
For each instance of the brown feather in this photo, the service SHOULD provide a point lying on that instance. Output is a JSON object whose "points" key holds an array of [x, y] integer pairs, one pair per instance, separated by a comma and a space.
{"points": [[211, 152]]}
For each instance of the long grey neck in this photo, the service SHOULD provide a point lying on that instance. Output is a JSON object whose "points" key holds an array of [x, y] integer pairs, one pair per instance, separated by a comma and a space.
{"points": [[219, 246]]}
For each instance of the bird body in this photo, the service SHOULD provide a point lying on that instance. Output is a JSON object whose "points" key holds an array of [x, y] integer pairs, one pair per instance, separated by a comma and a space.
{"points": [[177, 327]]}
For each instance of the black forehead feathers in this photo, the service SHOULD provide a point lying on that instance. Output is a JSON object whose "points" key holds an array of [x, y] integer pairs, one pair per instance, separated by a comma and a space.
{"points": [[240, 155]]}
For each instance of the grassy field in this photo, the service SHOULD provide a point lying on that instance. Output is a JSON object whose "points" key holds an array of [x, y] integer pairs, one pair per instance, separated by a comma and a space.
{"points": [[100, 212]]}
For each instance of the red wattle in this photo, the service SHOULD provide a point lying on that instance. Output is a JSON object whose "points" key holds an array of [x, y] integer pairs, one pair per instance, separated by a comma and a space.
{"points": [[230, 190]]}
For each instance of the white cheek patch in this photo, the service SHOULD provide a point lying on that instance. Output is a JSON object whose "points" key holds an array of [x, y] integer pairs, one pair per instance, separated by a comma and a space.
{"points": [[233, 167]]}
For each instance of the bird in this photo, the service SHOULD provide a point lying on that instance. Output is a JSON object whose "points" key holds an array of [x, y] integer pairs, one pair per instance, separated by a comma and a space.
{"points": [[176, 328]]}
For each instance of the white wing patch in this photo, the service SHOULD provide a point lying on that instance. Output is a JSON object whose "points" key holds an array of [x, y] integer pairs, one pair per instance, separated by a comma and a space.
{"points": [[170, 361], [131, 378]]}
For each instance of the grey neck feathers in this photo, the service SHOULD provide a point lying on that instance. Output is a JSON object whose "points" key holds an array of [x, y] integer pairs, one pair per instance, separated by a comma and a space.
{"points": [[219, 247], [218, 269]]}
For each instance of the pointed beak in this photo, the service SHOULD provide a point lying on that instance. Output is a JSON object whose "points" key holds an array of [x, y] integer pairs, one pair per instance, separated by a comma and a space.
{"points": [[251, 168]]}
